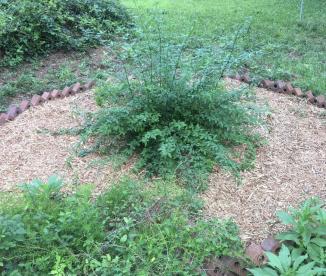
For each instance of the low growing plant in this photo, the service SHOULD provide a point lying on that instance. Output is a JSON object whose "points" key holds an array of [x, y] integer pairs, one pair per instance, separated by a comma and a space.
{"points": [[288, 263], [131, 229], [303, 250], [171, 108], [308, 230]]}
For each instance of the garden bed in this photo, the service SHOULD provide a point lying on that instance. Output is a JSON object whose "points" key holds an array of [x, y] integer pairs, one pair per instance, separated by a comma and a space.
{"points": [[289, 168], [34, 145]]}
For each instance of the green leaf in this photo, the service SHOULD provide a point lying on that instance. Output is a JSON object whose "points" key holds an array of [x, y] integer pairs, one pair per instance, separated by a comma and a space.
{"points": [[319, 241], [299, 261], [306, 236], [263, 272], [285, 258], [314, 251], [274, 261], [306, 270], [320, 230], [285, 218], [289, 236], [124, 238]]}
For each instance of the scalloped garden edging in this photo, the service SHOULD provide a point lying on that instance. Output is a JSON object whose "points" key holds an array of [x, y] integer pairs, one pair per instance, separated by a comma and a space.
{"points": [[14, 110], [284, 87]]}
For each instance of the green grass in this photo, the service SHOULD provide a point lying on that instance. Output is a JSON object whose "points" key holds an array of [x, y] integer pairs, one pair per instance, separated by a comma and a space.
{"points": [[54, 71], [286, 48]]}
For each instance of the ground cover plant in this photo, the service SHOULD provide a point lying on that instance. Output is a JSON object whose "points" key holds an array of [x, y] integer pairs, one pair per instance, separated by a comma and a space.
{"points": [[303, 250], [29, 28], [170, 108], [290, 48], [131, 229]]}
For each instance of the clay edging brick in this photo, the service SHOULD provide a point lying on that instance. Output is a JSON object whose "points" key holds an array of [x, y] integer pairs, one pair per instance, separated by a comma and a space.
{"points": [[256, 254], [14, 111], [321, 101], [24, 105], [280, 86]]}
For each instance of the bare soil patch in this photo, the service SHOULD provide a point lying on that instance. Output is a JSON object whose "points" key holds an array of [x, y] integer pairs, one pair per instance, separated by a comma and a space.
{"points": [[288, 170]]}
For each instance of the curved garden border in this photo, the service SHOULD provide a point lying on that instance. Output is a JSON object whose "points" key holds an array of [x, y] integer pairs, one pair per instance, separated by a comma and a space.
{"points": [[14, 110]]}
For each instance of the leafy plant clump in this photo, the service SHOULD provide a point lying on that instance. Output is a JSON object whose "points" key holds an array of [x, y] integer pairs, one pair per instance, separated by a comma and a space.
{"points": [[33, 27], [129, 230], [304, 249], [172, 109]]}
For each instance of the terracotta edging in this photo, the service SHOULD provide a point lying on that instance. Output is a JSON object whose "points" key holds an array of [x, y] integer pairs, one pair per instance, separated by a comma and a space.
{"points": [[284, 87], [14, 110]]}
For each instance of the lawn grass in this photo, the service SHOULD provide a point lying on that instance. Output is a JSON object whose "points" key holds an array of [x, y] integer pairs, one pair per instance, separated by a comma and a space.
{"points": [[287, 48]]}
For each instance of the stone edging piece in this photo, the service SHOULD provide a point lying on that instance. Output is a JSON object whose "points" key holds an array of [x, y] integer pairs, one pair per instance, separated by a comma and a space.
{"points": [[14, 110], [283, 87]]}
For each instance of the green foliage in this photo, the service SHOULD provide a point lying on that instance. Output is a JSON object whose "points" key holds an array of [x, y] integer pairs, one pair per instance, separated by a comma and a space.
{"points": [[304, 249], [33, 27], [131, 229], [171, 108], [49, 226], [308, 230], [288, 263]]}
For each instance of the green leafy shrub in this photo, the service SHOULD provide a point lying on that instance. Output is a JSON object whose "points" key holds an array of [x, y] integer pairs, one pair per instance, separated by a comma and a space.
{"points": [[303, 250], [171, 109], [288, 263], [131, 229], [32, 27], [308, 230]]}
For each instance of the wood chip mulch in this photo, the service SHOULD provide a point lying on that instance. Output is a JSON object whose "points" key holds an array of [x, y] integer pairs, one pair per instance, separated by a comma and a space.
{"points": [[288, 170], [29, 150]]}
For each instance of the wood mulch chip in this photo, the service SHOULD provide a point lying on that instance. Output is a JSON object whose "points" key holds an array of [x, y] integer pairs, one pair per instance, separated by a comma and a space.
{"points": [[288, 170]]}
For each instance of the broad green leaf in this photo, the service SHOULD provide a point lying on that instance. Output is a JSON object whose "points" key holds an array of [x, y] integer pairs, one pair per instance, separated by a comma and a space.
{"points": [[285, 258], [274, 261], [306, 270], [296, 253], [263, 272], [299, 261], [314, 251], [306, 237], [319, 271], [320, 230], [285, 217], [289, 236], [319, 241]]}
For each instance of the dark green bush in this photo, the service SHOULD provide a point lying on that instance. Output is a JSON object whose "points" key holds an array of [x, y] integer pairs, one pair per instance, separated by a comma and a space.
{"points": [[131, 229], [32, 27], [172, 109]]}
